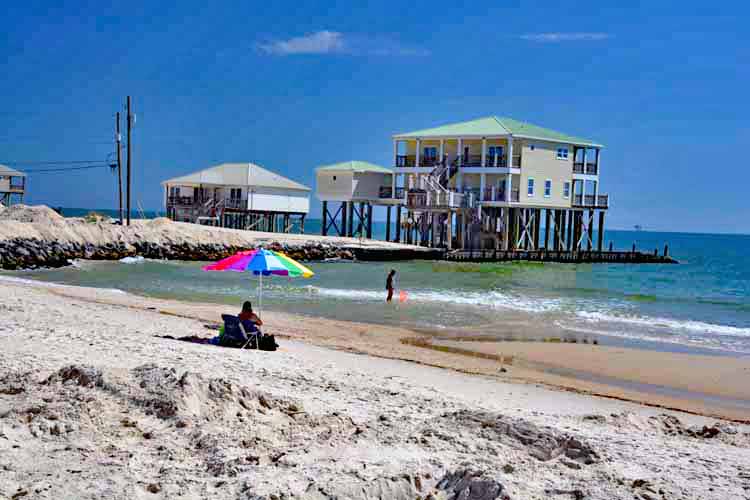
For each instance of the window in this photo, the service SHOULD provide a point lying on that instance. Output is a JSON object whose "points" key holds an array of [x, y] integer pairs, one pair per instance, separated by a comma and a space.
{"points": [[566, 190], [495, 150], [547, 188], [530, 187], [562, 153], [430, 152]]}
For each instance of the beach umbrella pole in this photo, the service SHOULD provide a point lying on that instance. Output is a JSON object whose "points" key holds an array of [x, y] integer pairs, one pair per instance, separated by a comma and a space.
{"points": [[260, 295]]}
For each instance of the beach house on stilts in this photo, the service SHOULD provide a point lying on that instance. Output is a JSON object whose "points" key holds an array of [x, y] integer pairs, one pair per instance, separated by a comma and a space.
{"points": [[492, 189], [238, 196], [494, 183], [12, 185], [348, 191]]}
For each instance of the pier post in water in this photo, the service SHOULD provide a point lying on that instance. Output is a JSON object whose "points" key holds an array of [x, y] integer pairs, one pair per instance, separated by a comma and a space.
{"points": [[369, 219], [600, 233], [344, 225], [350, 218], [388, 223], [398, 224]]}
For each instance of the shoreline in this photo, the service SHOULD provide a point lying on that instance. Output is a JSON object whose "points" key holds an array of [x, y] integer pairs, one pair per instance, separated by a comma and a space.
{"points": [[701, 384], [95, 404]]}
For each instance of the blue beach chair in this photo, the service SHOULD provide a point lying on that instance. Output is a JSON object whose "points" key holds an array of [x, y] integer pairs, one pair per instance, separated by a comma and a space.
{"points": [[237, 335]]}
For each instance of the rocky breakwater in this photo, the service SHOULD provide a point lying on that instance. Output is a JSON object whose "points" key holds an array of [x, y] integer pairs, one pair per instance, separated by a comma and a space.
{"points": [[33, 237], [22, 253]]}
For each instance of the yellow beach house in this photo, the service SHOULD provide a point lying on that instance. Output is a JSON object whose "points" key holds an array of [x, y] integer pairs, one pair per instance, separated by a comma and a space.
{"points": [[498, 177]]}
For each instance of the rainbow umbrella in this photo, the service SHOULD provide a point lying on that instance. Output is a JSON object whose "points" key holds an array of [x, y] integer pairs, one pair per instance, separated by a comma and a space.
{"points": [[261, 262]]}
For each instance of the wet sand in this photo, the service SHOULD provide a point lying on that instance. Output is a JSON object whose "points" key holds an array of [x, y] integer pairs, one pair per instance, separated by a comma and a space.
{"points": [[709, 385]]}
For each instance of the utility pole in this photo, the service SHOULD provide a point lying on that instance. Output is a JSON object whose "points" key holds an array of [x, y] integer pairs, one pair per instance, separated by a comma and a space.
{"points": [[130, 156], [118, 141]]}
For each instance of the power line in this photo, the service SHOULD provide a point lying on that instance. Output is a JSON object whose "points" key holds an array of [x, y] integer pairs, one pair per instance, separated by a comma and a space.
{"points": [[63, 169], [57, 162]]}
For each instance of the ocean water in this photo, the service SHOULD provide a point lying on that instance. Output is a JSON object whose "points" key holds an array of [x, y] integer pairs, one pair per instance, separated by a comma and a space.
{"points": [[701, 303]]}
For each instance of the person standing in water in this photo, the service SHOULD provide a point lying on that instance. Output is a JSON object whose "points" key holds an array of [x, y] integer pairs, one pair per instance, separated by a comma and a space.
{"points": [[389, 284]]}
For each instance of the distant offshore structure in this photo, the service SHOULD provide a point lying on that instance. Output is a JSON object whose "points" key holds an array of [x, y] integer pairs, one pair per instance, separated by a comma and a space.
{"points": [[638, 227]]}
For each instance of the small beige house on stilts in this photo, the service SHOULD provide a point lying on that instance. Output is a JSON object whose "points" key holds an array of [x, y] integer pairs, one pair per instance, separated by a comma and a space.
{"points": [[348, 191]]}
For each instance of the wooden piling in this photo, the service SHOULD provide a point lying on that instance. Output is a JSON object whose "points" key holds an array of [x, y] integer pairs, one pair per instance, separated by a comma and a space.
{"points": [[343, 231], [600, 233], [398, 223], [369, 220], [388, 223], [350, 230]]}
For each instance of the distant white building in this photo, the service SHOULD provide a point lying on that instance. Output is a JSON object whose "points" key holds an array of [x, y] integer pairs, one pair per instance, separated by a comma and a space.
{"points": [[240, 196], [12, 185]]}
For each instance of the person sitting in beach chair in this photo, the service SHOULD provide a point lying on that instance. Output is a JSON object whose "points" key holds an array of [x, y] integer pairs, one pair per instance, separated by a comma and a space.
{"points": [[249, 319], [242, 331], [236, 335]]}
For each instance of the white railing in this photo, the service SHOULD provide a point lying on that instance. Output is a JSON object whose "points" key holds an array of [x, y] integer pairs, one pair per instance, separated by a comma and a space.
{"points": [[435, 199]]}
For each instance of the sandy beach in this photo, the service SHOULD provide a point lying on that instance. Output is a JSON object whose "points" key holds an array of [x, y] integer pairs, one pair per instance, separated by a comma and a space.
{"points": [[93, 404]]}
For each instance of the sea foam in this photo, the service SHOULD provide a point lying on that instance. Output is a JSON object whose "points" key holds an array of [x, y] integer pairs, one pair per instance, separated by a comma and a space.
{"points": [[493, 299], [665, 323]]}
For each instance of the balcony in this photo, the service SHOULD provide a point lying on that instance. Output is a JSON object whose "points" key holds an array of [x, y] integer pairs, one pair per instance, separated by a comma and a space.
{"points": [[588, 168], [386, 192], [181, 201], [499, 161], [496, 161], [471, 160], [410, 161], [12, 184], [494, 194], [429, 161], [591, 201], [431, 199], [236, 203], [406, 161], [490, 161]]}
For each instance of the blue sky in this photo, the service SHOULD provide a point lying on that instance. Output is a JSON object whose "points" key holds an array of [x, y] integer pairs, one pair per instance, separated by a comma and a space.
{"points": [[293, 85]]}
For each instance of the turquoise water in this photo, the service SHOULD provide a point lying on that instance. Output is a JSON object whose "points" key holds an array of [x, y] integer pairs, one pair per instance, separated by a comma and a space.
{"points": [[704, 302]]}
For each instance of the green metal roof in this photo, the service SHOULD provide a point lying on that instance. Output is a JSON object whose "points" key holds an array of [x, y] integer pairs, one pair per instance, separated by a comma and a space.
{"points": [[497, 126], [356, 166]]}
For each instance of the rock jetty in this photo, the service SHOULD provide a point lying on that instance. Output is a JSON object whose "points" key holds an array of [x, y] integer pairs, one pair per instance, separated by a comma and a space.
{"points": [[33, 237]]}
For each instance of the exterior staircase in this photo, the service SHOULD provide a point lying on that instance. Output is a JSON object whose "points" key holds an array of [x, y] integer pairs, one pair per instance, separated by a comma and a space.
{"points": [[433, 192]]}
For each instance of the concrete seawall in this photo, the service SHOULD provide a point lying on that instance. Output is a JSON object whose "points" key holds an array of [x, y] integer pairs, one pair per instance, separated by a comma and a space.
{"points": [[37, 237]]}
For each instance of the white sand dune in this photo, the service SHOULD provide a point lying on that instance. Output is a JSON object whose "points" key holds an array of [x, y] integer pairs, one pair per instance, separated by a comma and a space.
{"points": [[93, 405], [43, 223]]}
